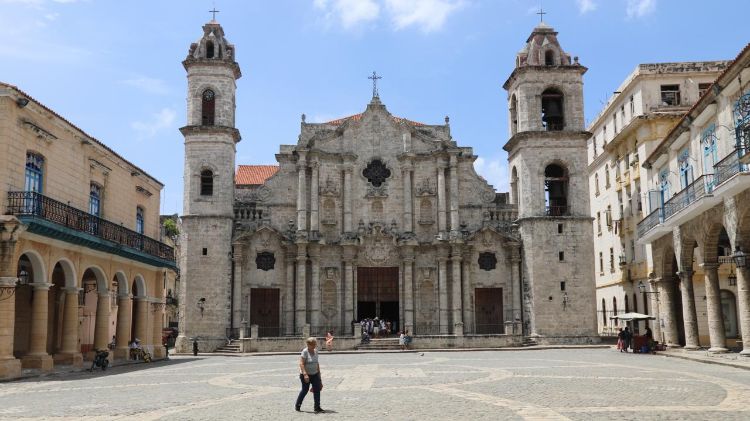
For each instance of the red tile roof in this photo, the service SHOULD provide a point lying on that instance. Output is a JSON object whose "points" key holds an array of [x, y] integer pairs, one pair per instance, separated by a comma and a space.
{"points": [[357, 117], [254, 174]]}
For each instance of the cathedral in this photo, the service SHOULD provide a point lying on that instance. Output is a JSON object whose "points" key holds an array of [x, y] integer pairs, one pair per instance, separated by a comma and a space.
{"points": [[375, 215]]}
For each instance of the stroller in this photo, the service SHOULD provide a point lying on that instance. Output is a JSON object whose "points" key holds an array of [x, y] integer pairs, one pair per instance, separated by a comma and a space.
{"points": [[365, 338]]}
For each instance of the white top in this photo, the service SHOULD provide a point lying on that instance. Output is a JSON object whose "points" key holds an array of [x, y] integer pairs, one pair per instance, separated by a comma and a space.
{"points": [[311, 361]]}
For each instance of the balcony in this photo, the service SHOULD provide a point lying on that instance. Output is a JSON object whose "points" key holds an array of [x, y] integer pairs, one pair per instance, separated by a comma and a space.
{"points": [[48, 217], [651, 227], [730, 174], [557, 211]]}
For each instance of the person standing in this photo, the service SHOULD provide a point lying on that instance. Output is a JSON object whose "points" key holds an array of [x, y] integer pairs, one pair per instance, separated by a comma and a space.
{"points": [[628, 338], [309, 375], [329, 341]]}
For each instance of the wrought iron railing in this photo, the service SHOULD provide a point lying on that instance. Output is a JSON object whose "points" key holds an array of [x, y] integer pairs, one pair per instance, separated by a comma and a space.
{"points": [[653, 219], [728, 167], [557, 210], [489, 329], [37, 205], [695, 191]]}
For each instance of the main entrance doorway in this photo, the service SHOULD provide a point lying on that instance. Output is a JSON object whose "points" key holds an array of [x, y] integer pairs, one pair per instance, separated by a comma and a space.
{"points": [[377, 294], [264, 310], [489, 310]]}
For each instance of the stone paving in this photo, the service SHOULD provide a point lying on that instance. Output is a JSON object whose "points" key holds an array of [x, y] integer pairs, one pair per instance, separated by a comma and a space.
{"points": [[574, 384]]}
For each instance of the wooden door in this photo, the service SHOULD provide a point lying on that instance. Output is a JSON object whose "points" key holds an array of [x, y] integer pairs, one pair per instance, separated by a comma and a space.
{"points": [[264, 310], [489, 310]]}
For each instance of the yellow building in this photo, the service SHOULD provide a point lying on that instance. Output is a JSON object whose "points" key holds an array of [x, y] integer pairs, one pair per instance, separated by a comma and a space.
{"points": [[79, 260]]}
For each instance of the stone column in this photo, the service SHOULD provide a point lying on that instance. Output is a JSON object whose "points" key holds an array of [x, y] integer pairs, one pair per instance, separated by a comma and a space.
{"points": [[655, 311], [10, 367], [743, 312], [515, 273], [667, 311], [454, 192], [101, 324], [70, 352], [302, 194], [315, 288], [37, 356], [289, 293], [314, 202], [347, 282], [408, 206], [348, 198], [237, 258], [688, 310], [443, 292], [466, 292], [441, 196], [300, 308], [141, 324], [124, 320], [713, 309], [157, 315], [456, 299], [408, 259]]}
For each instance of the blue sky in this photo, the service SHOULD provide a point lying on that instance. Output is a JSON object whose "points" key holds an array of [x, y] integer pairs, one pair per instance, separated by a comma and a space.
{"points": [[114, 68]]}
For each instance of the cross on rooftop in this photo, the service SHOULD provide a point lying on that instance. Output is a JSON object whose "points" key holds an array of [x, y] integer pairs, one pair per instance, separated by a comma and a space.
{"points": [[214, 12], [374, 79], [541, 14]]}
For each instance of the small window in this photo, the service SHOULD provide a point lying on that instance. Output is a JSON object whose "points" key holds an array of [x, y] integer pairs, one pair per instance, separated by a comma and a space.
{"points": [[632, 106], [611, 259], [562, 286], [670, 95], [549, 58], [205, 251], [559, 228], [561, 256], [209, 49], [207, 183], [702, 88], [614, 122], [601, 262], [139, 220], [208, 107]]}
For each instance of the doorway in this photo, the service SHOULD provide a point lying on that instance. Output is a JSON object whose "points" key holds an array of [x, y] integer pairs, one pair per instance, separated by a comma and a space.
{"points": [[264, 311], [377, 295], [489, 310]]}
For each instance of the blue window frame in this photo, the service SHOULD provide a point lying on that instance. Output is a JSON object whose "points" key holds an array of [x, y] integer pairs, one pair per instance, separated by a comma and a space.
{"points": [[686, 170], [34, 172], [664, 185], [95, 195], [139, 220], [710, 152]]}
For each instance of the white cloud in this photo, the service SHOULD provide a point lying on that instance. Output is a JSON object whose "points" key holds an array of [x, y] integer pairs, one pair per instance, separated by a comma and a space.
{"points": [[640, 8], [427, 15], [585, 6], [494, 170], [350, 13], [164, 119], [147, 84]]}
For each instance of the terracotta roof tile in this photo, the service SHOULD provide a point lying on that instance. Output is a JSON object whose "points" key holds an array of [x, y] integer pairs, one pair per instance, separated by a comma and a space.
{"points": [[357, 117], [254, 174]]}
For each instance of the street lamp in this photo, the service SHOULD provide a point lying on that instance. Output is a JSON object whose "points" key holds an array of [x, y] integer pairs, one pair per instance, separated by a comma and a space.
{"points": [[740, 258], [642, 288], [23, 277], [623, 260]]}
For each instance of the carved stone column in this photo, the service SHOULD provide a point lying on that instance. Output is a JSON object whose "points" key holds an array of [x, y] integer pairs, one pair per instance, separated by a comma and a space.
{"points": [[454, 192], [37, 356], [406, 170], [302, 193], [743, 312], [315, 289], [713, 309], [408, 259], [289, 294], [300, 308], [124, 320], [101, 325], [443, 290], [441, 195], [688, 310], [10, 367], [348, 169], [667, 311], [456, 299], [70, 352], [314, 201], [467, 292], [237, 258]]}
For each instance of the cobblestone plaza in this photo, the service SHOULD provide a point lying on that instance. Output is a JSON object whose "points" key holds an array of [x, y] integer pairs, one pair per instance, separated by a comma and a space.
{"points": [[576, 384]]}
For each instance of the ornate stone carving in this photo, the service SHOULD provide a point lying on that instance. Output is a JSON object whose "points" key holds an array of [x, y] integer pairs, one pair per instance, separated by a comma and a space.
{"points": [[265, 260], [487, 261], [426, 187], [488, 195], [329, 188], [378, 245], [376, 172], [379, 191]]}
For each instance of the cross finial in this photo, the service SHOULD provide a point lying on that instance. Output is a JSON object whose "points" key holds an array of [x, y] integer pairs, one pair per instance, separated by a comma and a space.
{"points": [[214, 12], [374, 79], [541, 14]]}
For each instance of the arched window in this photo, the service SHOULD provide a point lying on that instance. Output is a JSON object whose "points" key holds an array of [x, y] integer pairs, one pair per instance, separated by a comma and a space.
{"points": [[209, 49], [596, 184], [513, 115], [552, 110], [635, 303], [95, 195], [604, 312], [606, 176], [627, 304], [549, 58], [208, 107], [207, 183], [139, 220], [556, 190], [34, 172]]}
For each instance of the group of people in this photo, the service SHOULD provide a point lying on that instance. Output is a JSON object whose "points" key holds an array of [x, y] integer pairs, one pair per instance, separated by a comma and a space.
{"points": [[377, 328], [625, 340], [137, 352]]}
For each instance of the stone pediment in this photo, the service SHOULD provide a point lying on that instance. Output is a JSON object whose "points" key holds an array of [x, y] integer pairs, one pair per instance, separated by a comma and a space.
{"points": [[491, 235]]}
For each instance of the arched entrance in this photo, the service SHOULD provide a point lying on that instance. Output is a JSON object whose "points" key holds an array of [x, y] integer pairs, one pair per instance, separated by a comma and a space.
{"points": [[31, 313]]}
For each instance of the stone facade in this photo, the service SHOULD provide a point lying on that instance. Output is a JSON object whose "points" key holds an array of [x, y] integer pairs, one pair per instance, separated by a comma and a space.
{"points": [[375, 215]]}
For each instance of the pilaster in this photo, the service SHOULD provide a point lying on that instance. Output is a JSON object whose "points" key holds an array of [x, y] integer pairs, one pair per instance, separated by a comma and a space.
{"points": [[406, 170], [456, 299], [314, 201], [238, 256], [443, 290], [302, 192], [454, 192], [441, 195], [300, 308]]}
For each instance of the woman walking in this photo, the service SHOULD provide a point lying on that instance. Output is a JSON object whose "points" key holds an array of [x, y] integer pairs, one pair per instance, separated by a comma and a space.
{"points": [[309, 375]]}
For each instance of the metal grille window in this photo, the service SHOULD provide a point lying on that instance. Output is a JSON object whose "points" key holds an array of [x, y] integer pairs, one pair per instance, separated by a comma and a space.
{"points": [[742, 123], [670, 95], [376, 172]]}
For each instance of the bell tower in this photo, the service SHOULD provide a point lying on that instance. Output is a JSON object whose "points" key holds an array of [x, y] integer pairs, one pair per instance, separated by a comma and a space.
{"points": [[549, 183], [208, 195]]}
